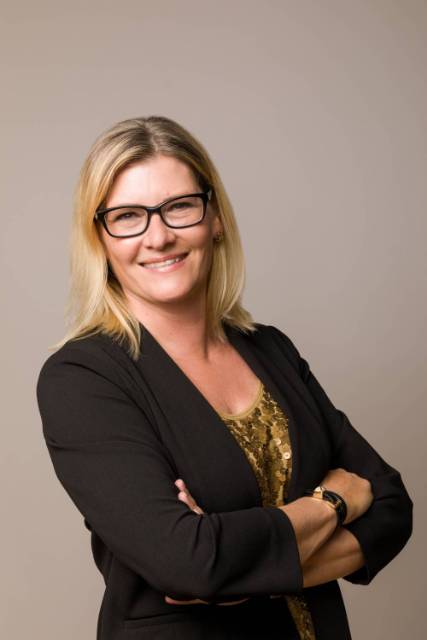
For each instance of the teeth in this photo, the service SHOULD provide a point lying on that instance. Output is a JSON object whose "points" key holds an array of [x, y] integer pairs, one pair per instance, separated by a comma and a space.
{"points": [[158, 265]]}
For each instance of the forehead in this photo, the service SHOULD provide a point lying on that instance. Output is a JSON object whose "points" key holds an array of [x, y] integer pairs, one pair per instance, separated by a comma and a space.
{"points": [[151, 181]]}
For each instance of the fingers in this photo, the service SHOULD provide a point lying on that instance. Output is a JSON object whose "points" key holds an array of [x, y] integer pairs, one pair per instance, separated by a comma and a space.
{"points": [[225, 604], [186, 496], [198, 601], [195, 601]]}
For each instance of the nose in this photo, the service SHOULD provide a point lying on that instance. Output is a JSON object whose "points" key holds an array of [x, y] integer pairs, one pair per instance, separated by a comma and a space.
{"points": [[158, 233]]}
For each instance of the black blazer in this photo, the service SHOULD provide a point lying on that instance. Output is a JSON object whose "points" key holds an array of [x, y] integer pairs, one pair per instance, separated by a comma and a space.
{"points": [[120, 433]]}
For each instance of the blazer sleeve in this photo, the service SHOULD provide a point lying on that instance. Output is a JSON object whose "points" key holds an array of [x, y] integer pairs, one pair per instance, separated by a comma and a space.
{"points": [[117, 471], [384, 529]]}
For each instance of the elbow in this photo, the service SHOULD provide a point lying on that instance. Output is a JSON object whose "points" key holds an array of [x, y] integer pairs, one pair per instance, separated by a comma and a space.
{"points": [[407, 520], [395, 517], [395, 533], [382, 533], [401, 516]]}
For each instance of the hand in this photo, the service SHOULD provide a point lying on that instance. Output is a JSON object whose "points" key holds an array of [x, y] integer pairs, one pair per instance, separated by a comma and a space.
{"points": [[355, 490], [185, 496]]}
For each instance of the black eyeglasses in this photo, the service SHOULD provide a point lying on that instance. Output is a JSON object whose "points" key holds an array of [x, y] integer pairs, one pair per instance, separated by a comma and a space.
{"points": [[131, 220]]}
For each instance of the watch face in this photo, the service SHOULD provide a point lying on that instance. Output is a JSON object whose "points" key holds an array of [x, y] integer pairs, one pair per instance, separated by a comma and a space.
{"points": [[318, 491]]}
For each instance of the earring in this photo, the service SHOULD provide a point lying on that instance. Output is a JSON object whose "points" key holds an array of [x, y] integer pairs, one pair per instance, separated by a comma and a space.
{"points": [[219, 236]]}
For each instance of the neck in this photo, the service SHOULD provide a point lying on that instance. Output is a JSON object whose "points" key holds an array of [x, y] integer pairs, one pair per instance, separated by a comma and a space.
{"points": [[181, 329]]}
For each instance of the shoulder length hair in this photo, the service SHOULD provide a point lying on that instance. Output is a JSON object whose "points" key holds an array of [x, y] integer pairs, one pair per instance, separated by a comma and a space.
{"points": [[96, 302]]}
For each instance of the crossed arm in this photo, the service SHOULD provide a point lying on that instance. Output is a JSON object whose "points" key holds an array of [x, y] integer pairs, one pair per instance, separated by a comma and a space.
{"points": [[338, 556], [121, 443]]}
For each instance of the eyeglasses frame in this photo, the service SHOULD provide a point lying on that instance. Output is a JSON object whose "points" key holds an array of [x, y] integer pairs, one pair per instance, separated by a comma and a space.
{"points": [[101, 213]]}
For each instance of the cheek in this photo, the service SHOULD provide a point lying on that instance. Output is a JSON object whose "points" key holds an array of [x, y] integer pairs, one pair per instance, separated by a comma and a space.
{"points": [[202, 240], [121, 253], [203, 249]]}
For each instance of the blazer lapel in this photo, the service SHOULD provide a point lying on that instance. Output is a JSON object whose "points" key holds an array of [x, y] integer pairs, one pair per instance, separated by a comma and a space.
{"points": [[205, 452]]}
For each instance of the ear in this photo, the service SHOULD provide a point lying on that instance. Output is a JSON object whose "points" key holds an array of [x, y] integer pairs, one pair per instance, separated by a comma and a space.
{"points": [[217, 225]]}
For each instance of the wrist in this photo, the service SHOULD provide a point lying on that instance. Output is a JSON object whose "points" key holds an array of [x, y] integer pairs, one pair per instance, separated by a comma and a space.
{"points": [[323, 505], [330, 498]]}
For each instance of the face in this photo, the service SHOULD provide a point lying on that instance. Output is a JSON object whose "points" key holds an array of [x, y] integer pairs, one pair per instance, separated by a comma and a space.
{"points": [[150, 182]]}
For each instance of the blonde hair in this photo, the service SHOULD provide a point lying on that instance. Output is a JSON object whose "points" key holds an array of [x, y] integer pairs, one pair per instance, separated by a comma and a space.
{"points": [[96, 302]]}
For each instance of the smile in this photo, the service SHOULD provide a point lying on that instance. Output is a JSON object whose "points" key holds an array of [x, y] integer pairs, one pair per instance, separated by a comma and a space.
{"points": [[167, 265]]}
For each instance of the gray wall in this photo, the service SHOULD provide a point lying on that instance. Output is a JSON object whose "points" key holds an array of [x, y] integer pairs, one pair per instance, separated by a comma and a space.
{"points": [[315, 114]]}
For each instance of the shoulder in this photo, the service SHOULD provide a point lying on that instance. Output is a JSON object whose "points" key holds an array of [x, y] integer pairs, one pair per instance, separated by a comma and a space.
{"points": [[98, 354], [82, 386], [83, 350], [273, 339]]}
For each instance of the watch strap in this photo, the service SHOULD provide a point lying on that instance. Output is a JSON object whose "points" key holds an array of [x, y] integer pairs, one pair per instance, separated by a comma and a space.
{"points": [[332, 498]]}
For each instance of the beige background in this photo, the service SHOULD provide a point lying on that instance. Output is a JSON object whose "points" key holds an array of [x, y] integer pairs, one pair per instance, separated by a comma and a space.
{"points": [[315, 114]]}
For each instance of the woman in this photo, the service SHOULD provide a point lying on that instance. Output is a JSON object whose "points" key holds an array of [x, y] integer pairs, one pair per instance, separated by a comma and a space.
{"points": [[224, 492]]}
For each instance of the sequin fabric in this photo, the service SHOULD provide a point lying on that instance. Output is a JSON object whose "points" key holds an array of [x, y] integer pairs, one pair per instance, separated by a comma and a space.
{"points": [[262, 433]]}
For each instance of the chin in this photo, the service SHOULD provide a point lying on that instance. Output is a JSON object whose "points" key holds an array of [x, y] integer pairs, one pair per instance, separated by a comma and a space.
{"points": [[168, 295]]}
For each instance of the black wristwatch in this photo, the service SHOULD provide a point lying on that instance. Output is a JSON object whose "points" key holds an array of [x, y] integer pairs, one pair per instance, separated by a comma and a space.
{"points": [[338, 503]]}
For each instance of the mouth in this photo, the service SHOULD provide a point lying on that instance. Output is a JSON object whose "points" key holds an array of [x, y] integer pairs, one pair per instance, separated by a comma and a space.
{"points": [[166, 264]]}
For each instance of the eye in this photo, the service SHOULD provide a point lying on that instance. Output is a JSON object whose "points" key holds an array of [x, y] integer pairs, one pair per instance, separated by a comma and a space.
{"points": [[180, 205], [124, 216]]}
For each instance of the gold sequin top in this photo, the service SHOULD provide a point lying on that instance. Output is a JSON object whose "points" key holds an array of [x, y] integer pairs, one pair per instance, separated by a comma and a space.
{"points": [[262, 432]]}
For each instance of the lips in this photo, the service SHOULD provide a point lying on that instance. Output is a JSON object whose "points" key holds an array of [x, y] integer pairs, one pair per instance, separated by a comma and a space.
{"points": [[170, 257]]}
